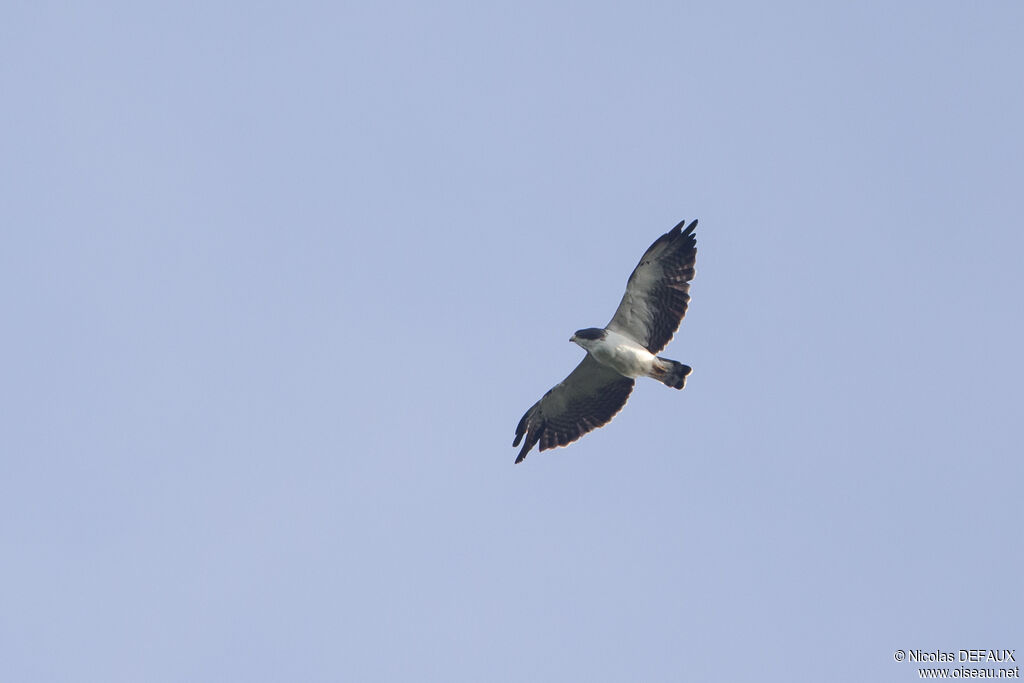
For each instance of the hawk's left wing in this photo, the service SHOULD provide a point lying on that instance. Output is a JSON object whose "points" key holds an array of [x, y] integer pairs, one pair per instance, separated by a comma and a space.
{"points": [[658, 290], [588, 398]]}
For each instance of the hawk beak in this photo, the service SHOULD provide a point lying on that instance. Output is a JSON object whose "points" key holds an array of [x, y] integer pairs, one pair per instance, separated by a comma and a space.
{"points": [[572, 338]]}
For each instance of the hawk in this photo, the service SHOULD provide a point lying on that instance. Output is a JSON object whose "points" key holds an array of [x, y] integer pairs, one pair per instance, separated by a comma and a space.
{"points": [[655, 301]]}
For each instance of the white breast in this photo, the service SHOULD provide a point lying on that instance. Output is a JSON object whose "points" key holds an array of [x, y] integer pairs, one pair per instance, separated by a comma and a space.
{"points": [[623, 355]]}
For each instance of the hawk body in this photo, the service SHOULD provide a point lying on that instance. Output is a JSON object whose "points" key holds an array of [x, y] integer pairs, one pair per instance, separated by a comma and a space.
{"points": [[618, 352], [656, 298]]}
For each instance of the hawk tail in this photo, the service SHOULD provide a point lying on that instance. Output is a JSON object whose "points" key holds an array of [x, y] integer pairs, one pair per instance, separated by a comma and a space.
{"points": [[670, 373]]}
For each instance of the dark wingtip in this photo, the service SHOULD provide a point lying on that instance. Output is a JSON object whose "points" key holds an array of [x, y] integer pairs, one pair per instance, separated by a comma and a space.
{"points": [[531, 441], [679, 228]]}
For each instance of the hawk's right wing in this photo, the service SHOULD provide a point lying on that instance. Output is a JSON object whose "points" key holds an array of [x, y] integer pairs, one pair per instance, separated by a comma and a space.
{"points": [[587, 399]]}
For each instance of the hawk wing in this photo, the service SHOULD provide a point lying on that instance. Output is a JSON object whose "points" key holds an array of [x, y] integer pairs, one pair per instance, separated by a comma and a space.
{"points": [[658, 291], [588, 398]]}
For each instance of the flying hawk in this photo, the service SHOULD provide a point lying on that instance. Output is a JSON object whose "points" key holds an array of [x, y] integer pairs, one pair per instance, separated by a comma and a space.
{"points": [[655, 301]]}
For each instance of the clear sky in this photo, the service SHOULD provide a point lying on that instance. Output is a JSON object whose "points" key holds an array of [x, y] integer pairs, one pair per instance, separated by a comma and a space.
{"points": [[278, 280]]}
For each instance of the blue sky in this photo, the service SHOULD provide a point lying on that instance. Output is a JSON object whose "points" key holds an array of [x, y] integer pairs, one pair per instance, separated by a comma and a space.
{"points": [[279, 281]]}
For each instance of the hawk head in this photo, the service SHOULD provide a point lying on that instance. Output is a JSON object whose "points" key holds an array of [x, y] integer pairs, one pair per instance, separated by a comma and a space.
{"points": [[590, 334]]}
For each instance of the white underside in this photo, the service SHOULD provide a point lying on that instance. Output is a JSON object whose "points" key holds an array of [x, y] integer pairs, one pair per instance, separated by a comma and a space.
{"points": [[623, 355]]}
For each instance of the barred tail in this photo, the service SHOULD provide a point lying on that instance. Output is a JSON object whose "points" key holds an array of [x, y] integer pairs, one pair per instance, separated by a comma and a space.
{"points": [[670, 373]]}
